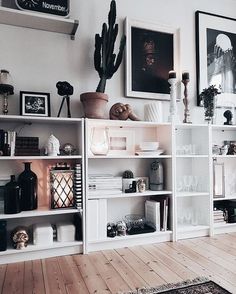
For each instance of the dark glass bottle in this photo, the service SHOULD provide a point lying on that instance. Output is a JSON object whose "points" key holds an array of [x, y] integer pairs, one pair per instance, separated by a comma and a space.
{"points": [[12, 197], [3, 235], [28, 182]]}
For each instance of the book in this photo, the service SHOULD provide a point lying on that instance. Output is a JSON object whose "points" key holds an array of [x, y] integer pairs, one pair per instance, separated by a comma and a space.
{"points": [[152, 213]]}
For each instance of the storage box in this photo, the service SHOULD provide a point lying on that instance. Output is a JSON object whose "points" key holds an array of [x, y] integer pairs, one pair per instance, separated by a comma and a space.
{"points": [[43, 234], [65, 232]]}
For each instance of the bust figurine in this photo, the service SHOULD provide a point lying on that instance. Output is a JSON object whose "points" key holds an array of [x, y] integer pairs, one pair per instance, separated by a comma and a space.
{"points": [[228, 115], [52, 147]]}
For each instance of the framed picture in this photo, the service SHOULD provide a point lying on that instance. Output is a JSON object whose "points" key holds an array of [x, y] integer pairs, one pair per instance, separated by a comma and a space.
{"points": [[34, 103], [121, 142], [218, 180], [216, 56], [151, 52]]}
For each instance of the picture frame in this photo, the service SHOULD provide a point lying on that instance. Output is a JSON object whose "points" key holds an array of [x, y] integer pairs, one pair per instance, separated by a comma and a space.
{"points": [[34, 104], [218, 180], [216, 56], [121, 142], [152, 50]]}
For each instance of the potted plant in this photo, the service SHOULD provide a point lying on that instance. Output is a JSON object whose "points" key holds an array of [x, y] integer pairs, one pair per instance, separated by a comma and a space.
{"points": [[208, 98], [106, 63]]}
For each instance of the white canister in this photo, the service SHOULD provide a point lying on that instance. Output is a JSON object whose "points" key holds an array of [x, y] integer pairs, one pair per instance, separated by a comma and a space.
{"points": [[153, 112]]}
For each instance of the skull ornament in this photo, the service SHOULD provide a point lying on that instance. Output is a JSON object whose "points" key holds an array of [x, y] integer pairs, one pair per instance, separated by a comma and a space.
{"points": [[20, 237], [121, 228]]}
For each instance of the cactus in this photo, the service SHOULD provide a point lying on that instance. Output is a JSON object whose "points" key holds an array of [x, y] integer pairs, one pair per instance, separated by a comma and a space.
{"points": [[106, 62], [127, 174]]}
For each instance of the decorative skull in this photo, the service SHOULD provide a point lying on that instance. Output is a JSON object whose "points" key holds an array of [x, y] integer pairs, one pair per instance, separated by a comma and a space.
{"points": [[20, 237], [121, 228]]}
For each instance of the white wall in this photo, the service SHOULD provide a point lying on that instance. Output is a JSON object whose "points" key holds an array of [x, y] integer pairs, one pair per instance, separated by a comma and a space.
{"points": [[37, 59]]}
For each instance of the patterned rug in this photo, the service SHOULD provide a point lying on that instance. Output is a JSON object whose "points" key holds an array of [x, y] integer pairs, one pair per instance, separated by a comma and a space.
{"points": [[196, 286]]}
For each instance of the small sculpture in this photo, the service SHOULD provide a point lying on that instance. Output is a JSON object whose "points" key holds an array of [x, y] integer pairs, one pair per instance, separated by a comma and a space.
{"points": [[141, 185], [121, 228], [65, 89], [120, 111], [53, 146], [228, 115], [127, 174], [20, 237]]}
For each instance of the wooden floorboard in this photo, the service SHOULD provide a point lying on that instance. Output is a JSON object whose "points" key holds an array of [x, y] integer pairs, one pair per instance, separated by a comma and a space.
{"points": [[126, 269]]}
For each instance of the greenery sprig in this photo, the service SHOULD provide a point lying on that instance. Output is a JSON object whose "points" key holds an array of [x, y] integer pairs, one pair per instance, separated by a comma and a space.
{"points": [[208, 97]]}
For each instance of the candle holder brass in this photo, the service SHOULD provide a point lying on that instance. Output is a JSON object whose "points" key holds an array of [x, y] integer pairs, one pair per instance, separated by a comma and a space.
{"points": [[186, 120]]}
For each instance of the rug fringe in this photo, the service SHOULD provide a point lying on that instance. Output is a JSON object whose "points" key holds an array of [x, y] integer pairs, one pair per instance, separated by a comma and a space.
{"points": [[169, 286]]}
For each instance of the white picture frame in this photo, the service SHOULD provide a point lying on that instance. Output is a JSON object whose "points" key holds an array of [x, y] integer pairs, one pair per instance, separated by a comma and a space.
{"points": [[167, 49], [121, 142], [213, 32]]}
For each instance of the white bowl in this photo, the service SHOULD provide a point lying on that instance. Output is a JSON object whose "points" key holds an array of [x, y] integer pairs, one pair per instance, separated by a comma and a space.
{"points": [[149, 146]]}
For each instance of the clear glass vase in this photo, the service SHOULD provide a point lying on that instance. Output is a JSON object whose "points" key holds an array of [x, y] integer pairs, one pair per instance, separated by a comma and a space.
{"points": [[99, 141]]}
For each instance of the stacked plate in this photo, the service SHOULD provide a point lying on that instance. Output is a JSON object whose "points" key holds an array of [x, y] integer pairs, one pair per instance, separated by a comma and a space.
{"points": [[149, 149]]}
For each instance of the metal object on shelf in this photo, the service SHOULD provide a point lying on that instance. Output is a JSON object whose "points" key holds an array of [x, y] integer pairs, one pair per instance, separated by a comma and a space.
{"points": [[6, 88]]}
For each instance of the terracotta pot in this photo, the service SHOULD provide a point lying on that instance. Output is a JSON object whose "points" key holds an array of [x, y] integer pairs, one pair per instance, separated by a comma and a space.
{"points": [[94, 104]]}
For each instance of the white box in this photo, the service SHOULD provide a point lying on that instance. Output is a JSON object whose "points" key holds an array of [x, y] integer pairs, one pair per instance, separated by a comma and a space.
{"points": [[97, 219], [43, 234], [65, 232]]}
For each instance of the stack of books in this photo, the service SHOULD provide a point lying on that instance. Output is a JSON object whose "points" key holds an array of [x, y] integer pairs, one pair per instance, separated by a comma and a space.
{"points": [[104, 184], [78, 186], [218, 216], [27, 146]]}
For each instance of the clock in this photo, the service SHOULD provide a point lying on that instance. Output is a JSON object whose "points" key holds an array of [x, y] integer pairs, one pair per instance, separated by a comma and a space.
{"points": [[57, 7]]}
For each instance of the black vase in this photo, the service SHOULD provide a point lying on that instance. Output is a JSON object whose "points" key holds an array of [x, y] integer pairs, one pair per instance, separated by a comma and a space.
{"points": [[3, 235], [28, 183], [12, 197]]}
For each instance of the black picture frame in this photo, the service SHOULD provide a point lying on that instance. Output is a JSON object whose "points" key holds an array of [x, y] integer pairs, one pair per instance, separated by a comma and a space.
{"points": [[35, 104], [152, 50], [216, 56]]}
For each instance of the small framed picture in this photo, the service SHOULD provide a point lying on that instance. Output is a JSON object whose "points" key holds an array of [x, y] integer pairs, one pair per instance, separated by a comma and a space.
{"points": [[34, 103], [121, 142]]}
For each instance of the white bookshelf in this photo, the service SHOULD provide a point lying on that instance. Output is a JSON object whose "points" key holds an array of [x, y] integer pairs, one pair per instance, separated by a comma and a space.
{"points": [[38, 21]]}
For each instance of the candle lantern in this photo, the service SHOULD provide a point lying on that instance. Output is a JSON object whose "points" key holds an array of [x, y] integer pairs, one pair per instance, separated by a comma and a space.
{"points": [[62, 187]]}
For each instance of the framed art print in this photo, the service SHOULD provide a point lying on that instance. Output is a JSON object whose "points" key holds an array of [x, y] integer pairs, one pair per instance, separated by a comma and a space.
{"points": [[34, 103], [121, 142], [216, 56], [151, 52]]}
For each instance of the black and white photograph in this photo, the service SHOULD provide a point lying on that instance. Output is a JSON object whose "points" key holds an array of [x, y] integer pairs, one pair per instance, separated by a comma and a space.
{"points": [[216, 56], [34, 103], [151, 52]]}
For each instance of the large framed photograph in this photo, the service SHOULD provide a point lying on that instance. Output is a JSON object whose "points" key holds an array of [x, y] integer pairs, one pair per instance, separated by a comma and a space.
{"points": [[216, 56], [34, 103], [151, 52]]}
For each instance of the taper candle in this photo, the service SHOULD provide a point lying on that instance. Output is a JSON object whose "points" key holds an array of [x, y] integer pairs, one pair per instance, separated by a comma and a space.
{"points": [[185, 76], [172, 74]]}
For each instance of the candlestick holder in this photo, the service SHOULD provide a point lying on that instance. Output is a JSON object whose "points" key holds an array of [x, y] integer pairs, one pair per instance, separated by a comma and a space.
{"points": [[186, 102], [173, 117]]}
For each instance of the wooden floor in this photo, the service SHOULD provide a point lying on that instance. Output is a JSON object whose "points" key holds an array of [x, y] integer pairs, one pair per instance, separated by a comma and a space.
{"points": [[126, 269]]}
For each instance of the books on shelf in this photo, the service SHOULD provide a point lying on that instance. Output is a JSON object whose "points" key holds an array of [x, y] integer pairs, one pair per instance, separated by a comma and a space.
{"points": [[218, 216], [106, 182], [157, 212]]}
